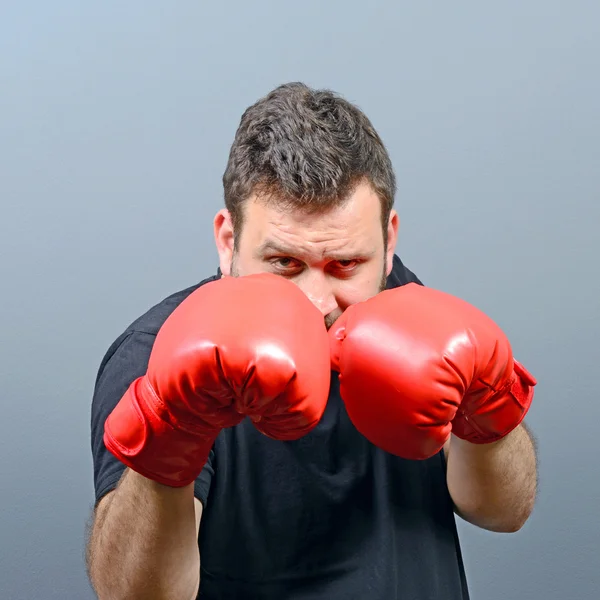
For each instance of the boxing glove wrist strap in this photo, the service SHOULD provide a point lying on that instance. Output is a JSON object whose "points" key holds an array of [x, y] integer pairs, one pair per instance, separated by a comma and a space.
{"points": [[139, 434], [500, 413]]}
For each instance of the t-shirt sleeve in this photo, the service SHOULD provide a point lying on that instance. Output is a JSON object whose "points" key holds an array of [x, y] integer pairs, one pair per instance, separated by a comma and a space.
{"points": [[126, 360], [203, 481]]}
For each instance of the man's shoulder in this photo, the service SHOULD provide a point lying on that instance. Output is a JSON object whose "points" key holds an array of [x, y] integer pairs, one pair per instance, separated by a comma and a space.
{"points": [[400, 275], [153, 319], [136, 339]]}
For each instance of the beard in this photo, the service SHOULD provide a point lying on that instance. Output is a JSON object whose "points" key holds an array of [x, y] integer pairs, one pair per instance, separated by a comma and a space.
{"points": [[233, 271]]}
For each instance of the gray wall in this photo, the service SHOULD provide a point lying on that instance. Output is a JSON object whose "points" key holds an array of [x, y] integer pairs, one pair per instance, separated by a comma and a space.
{"points": [[116, 118]]}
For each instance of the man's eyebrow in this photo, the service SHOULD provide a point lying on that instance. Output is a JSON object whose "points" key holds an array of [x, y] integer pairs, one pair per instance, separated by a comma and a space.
{"points": [[276, 247], [272, 246]]}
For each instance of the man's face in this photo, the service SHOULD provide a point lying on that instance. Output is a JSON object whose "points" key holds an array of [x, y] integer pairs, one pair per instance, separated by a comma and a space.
{"points": [[337, 258]]}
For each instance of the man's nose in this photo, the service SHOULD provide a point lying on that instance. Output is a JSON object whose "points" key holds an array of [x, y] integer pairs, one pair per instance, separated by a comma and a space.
{"points": [[320, 293]]}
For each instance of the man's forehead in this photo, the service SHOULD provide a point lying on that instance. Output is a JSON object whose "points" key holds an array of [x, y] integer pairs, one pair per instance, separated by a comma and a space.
{"points": [[332, 250], [348, 230]]}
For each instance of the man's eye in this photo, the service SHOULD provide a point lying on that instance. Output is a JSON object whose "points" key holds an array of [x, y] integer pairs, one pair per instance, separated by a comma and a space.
{"points": [[284, 262], [346, 264]]}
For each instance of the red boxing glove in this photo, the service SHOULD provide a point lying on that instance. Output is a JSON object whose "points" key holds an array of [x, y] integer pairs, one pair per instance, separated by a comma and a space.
{"points": [[253, 346], [416, 364]]}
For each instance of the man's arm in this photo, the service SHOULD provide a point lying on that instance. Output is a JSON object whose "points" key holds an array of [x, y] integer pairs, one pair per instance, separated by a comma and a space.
{"points": [[493, 486], [144, 542]]}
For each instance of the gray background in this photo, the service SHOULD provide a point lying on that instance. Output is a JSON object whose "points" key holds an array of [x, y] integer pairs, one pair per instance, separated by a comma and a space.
{"points": [[116, 119]]}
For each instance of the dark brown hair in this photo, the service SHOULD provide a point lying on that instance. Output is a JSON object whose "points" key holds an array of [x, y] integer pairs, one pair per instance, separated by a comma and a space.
{"points": [[306, 148]]}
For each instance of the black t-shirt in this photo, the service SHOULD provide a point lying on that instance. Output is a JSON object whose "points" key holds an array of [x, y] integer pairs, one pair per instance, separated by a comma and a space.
{"points": [[325, 517]]}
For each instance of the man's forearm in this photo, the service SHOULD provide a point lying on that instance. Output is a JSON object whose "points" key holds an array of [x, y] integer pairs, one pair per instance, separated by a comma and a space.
{"points": [[143, 542], [494, 485]]}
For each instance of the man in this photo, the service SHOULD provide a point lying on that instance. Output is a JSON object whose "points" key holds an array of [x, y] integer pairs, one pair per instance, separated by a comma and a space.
{"points": [[305, 423]]}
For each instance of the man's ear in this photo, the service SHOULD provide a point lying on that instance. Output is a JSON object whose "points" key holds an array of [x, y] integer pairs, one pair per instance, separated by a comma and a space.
{"points": [[392, 239], [224, 240]]}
